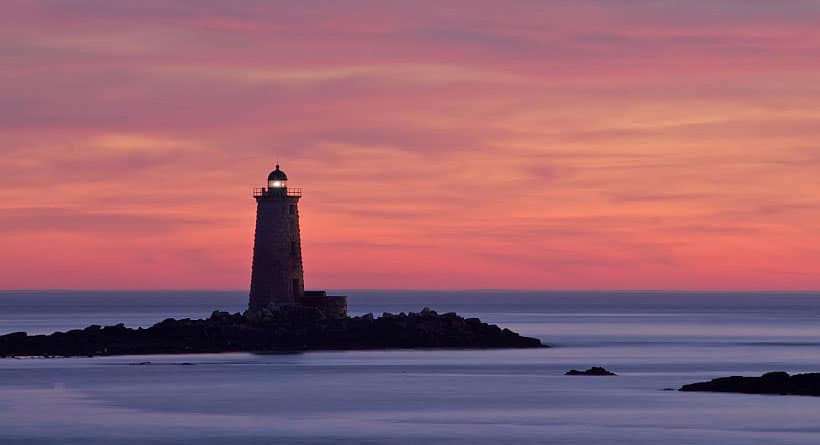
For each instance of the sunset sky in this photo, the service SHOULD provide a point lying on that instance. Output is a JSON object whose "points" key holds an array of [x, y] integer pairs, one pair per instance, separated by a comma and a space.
{"points": [[575, 144]]}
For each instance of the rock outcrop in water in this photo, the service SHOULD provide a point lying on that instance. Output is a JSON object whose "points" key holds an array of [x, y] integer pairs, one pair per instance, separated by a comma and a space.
{"points": [[285, 329], [772, 383], [594, 371]]}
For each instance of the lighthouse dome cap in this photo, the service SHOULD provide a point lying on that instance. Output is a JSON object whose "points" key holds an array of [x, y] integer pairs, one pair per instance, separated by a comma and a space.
{"points": [[277, 175]]}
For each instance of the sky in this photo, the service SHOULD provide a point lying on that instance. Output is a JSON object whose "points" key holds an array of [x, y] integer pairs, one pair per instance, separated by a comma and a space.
{"points": [[565, 144]]}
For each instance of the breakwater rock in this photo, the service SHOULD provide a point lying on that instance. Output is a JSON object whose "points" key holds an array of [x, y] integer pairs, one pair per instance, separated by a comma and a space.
{"points": [[594, 371], [292, 328], [772, 383]]}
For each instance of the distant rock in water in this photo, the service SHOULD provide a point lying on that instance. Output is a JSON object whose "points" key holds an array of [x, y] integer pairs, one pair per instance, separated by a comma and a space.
{"points": [[594, 371], [772, 383], [287, 328]]}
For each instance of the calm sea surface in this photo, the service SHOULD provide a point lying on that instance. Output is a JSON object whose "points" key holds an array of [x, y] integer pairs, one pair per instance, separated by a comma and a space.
{"points": [[653, 340]]}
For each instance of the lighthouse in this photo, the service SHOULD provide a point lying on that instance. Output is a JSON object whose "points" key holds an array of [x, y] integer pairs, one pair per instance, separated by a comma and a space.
{"points": [[277, 277], [276, 273]]}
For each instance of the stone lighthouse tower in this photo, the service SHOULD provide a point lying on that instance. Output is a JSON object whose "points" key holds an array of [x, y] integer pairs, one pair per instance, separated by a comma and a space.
{"points": [[276, 275], [277, 278]]}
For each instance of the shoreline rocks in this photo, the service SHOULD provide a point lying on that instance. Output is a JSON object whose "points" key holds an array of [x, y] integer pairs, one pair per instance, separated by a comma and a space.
{"points": [[282, 329], [777, 383]]}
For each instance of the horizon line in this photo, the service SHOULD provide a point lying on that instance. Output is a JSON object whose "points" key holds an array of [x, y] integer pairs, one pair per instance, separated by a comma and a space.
{"points": [[485, 290]]}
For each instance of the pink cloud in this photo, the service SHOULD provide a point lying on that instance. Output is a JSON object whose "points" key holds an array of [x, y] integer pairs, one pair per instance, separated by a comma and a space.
{"points": [[567, 145]]}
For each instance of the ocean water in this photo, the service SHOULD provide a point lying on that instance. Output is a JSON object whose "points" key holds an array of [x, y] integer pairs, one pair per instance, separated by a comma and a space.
{"points": [[653, 340]]}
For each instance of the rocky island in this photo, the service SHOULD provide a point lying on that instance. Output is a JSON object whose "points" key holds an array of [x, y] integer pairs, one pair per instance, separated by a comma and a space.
{"points": [[780, 383], [284, 329]]}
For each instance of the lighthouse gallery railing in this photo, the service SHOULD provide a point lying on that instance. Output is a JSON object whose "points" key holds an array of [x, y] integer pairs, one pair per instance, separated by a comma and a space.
{"points": [[289, 191]]}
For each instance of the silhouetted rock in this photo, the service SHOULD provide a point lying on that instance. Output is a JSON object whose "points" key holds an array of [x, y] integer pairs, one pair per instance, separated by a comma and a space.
{"points": [[219, 315], [771, 383], [594, 371], [427, 312], [286, 328]]}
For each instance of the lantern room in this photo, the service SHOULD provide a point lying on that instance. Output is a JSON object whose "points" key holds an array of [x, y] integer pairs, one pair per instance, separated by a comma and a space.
{"points": [[277, 179]]}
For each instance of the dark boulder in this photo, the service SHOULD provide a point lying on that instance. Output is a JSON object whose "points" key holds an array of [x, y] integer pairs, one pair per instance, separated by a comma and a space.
{"points": [[219, 315], [594, 371]]}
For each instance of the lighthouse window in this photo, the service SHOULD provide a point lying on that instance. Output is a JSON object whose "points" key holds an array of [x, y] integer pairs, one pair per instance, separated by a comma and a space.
{"points": [[292, 209]]}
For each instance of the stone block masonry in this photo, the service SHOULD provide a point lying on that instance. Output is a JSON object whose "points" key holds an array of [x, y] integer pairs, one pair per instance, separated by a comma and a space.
{"points": [[276, 274]]}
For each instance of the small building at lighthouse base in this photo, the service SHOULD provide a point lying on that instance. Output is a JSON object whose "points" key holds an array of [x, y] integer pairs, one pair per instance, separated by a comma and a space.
{"points": [[332, 306]]}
